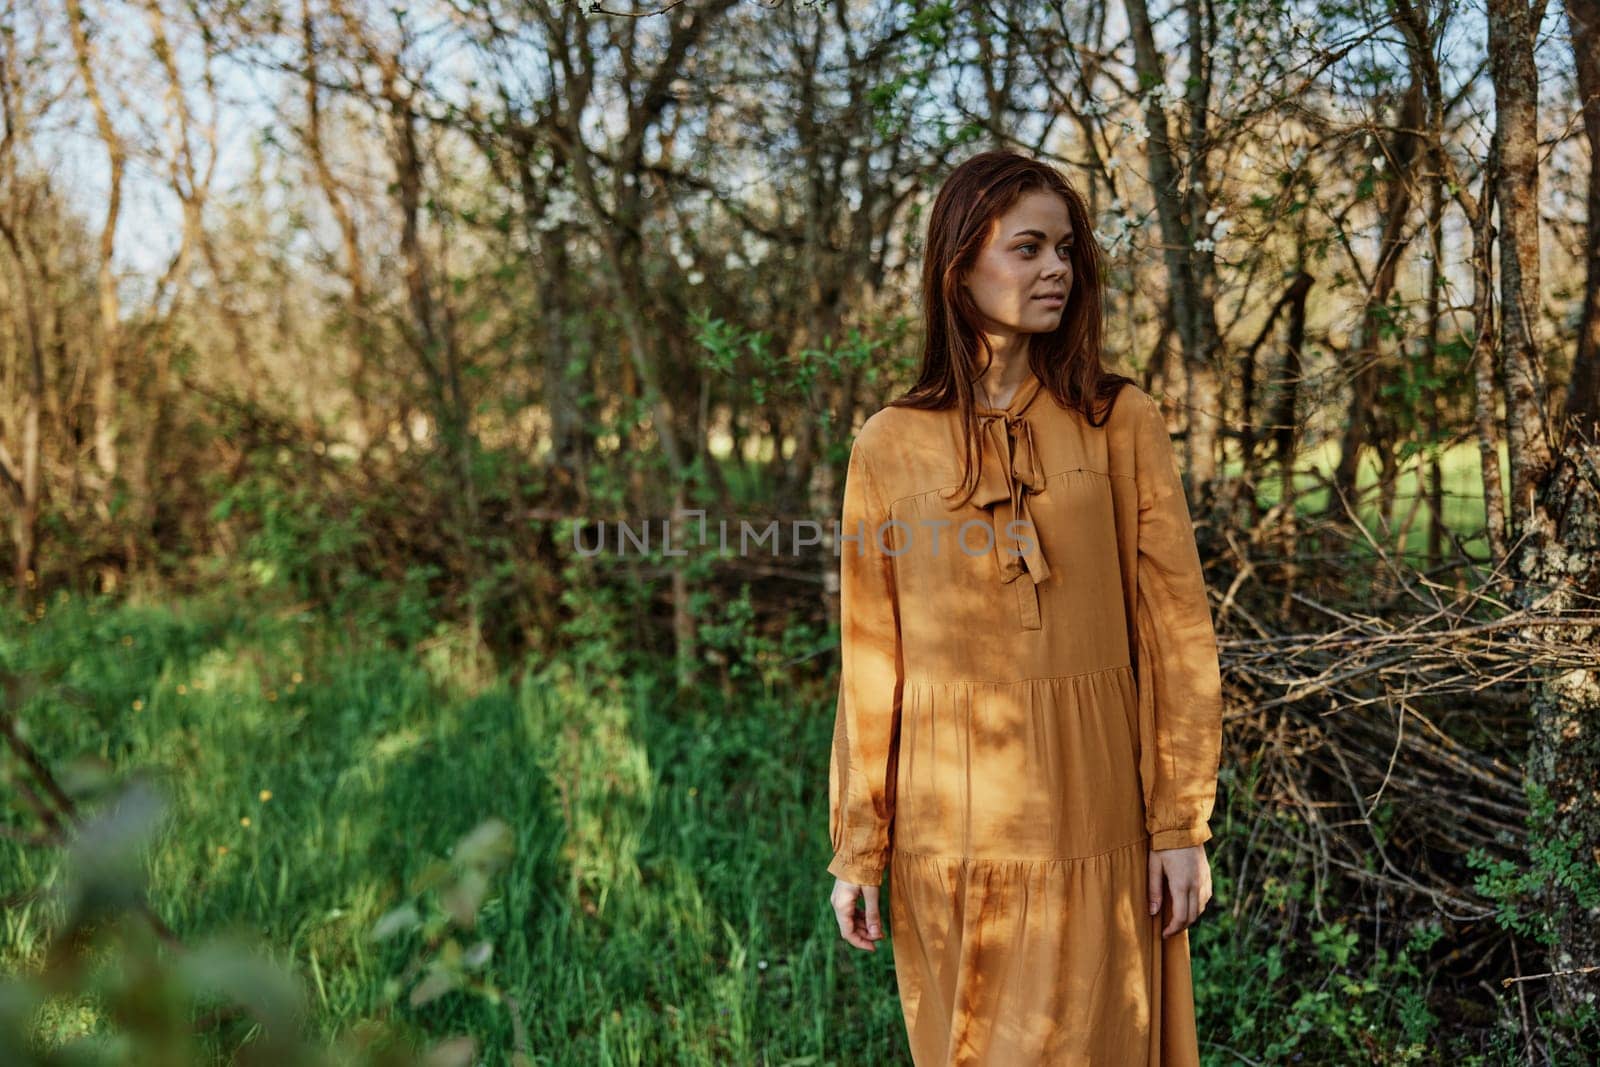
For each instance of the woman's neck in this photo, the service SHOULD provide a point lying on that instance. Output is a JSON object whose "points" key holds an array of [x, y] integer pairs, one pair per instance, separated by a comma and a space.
{"points": [[1007, 371]]}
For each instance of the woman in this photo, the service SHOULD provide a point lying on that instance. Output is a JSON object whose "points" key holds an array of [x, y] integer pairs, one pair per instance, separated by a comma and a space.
{"points": [[1029, 715]]}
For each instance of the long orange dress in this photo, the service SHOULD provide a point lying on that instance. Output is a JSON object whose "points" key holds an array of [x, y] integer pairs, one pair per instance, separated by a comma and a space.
{"points": [[1019, 722]]}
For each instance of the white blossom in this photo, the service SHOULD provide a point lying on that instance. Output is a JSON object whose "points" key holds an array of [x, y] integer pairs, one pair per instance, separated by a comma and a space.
{"points": [[1159, 95], [1121, 230], [559, 209]]}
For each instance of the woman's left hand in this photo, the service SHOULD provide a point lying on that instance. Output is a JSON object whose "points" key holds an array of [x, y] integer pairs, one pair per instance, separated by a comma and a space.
{"points": [[1187, 875]]}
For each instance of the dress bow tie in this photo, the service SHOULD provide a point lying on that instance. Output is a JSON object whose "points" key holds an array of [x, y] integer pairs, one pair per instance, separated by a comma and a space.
{"points": [[1010, 472]]}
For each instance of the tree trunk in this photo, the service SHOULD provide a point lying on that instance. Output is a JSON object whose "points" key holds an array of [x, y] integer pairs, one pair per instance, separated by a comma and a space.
{"points": [[106, 415], [1583, 396], [364, 342], [1369, 369], [1190, 280], [1556, 514], [20, 477], [1512, 26]]}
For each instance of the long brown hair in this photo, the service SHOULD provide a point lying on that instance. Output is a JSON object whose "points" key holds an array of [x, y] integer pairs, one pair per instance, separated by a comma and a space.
{"points": [[1066, 360]]}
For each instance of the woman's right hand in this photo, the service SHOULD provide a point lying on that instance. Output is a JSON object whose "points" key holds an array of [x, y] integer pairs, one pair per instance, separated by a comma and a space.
{"points": [[860, 930]]}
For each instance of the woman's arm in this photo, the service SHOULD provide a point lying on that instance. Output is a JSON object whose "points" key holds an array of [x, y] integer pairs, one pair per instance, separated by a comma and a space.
{"points": [[1179, 680], [866, 732]]}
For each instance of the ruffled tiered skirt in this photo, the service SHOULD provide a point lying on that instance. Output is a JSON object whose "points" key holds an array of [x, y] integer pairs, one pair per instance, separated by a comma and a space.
{"points": [[1018, 912]]}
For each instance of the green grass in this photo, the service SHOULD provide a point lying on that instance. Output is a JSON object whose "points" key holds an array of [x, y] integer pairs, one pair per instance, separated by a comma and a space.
{"points": [[668, 899], [1462, 471]]}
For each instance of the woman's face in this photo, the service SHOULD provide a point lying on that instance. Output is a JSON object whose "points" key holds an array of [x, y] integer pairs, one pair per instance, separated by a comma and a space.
{"points": [[1026, 258]]}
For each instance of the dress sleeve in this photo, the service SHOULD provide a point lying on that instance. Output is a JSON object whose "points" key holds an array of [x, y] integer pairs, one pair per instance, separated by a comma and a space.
{"points": [[1179, 679], [866, 731]]}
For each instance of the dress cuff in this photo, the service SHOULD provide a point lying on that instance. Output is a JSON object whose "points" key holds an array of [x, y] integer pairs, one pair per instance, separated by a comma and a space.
{"points": [[1179, 837], [856, 872]]}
